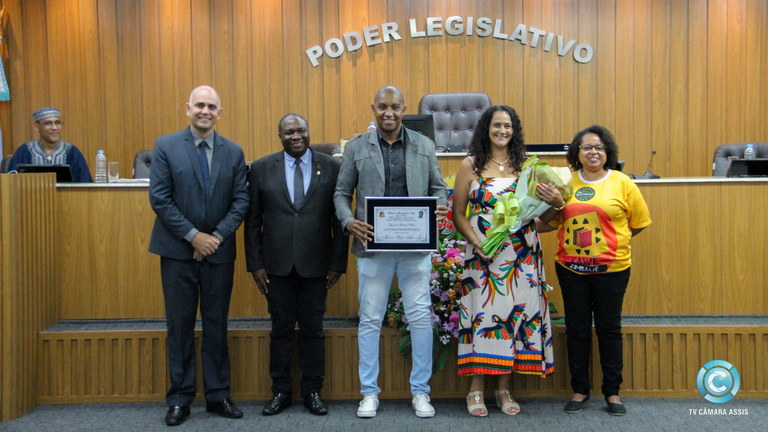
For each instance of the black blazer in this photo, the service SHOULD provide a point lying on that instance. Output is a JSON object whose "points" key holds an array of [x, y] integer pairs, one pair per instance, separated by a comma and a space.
{"points": [[279, 236], [177, 196]]}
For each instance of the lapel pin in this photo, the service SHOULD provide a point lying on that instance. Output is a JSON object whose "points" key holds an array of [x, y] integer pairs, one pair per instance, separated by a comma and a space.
{"points": [[318, 173]]}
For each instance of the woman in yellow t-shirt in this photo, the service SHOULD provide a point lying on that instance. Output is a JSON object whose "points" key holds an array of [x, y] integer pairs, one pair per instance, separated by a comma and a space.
{"points": [[593, 257]]}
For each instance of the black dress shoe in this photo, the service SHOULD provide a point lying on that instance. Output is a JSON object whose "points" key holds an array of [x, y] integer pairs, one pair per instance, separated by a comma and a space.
{"points": [[315, 404], [277, 404], [573, 407], [225, 408], [615, 409], [176, 415]]}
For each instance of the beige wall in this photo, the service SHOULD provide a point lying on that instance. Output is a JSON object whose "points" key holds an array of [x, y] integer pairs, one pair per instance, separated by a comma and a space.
{"points": [[678, 77]]}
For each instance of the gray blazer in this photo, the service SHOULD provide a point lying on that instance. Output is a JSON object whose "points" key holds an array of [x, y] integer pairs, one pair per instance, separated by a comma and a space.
{"points": [[178, 199], [279, 235], [362, 168]]}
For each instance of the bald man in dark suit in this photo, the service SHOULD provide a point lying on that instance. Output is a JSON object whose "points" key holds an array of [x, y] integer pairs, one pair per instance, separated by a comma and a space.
{"points": [[198, 191]]}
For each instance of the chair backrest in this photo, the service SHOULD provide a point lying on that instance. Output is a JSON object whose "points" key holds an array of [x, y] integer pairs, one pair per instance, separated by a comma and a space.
{"points": [[141, 164], [327, 148], [5, 164], [455, 115], [720, 162]]}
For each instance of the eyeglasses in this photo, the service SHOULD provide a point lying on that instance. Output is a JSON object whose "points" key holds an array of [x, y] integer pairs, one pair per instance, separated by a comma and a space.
{"points": [[589, 148]]}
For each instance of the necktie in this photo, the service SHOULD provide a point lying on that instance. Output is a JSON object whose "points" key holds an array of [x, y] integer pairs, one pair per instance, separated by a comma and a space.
{"points": [[203, 157], [298, 184]]}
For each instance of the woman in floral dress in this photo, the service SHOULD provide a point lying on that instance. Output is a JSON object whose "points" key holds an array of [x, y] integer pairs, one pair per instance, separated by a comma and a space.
{"points": [[505, 324]]}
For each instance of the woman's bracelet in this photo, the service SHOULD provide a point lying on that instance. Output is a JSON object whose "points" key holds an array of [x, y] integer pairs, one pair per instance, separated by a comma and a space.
{"points": [[559, 208]]}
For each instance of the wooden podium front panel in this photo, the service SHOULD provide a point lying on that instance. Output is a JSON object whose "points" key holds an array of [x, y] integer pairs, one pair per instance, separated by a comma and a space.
{"points": [[27, 284], [701, 255]]}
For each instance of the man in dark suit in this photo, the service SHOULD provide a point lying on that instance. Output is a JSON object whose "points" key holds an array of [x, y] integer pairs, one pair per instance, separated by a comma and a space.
{"points": [[296, 251], [198, 191]]}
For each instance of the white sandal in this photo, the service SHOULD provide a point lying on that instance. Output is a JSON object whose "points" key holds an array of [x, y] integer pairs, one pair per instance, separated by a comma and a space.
{"points": [[505, 402], [476, 401]]}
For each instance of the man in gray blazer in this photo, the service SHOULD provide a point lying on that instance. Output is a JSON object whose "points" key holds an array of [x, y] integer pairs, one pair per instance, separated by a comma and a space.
{"points": [[296, 250], [390, 161], [198, 191]]}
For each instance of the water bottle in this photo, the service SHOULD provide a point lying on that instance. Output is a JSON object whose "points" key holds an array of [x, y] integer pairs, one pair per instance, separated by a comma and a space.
{"points": [[749, 153], [101, 167], [371, 127]]}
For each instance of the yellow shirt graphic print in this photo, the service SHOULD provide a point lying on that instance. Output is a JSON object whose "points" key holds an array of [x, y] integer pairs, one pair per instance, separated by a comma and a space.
{"points": [[585, 236]]}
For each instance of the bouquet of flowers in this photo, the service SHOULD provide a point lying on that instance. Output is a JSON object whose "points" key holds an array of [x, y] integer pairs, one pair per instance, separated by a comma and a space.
{"points": [[515, 208], [445, 287]]}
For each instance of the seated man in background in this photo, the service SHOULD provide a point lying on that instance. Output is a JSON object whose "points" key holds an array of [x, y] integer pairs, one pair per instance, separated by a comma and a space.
{"points": [[50, 149]]}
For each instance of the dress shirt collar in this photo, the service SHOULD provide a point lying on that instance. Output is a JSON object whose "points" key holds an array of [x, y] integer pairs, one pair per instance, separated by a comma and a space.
{"points": [[306, 158]]}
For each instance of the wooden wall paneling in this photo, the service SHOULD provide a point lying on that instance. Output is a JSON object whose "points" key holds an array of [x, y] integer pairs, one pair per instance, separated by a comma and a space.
{"points": [[754, 15], [417, 71], [222, 49], [437, 62], [455, 64], [717, 86], [295, 91], [399, 62], [379, 55], [184, 60], [112, 90], [242, 103], [29, 67], [313, 77], [151, 64], [170, 109], [744, 280], [606, 65], [764, 70], [58, 42], [202, 41], [678, 94], [274, 85], [660, 85], [470, 55], [330, 70], [625, 79], [550, 77], [699, 156], [512, 72], [735, 71], [587, 72], [86, 18], [637, 149], [532, 111], [130, 58], [569, 83], [492, 53], [349, 96]]}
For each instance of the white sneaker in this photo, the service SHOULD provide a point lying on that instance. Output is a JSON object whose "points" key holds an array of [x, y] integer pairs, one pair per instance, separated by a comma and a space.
{"points": [[368, 406], [422, 406]]}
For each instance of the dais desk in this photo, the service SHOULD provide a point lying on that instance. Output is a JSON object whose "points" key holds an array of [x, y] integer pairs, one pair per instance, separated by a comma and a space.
{"points": [[702, 254]]}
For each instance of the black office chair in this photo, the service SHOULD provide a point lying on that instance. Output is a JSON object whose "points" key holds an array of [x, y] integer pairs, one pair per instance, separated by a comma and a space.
{"points": [[720, 162], [5, 164], [141, 163]]}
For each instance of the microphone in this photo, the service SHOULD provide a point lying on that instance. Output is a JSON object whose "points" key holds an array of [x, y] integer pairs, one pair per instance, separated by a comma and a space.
{"points": [[648, 174]]}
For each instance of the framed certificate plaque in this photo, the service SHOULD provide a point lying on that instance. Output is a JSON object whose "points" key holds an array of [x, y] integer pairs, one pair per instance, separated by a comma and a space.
{"points": [[402, 224]]}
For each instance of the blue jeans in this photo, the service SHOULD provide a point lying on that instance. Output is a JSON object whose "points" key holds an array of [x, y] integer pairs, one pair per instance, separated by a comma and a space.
{"points": [[375, 278]]}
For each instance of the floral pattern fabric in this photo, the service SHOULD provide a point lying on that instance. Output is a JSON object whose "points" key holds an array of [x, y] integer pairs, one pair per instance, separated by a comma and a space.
{"points": [[504, 320]]}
